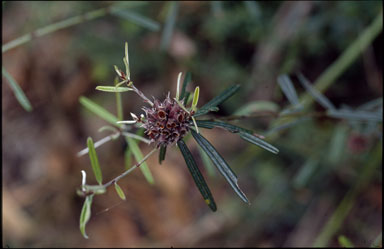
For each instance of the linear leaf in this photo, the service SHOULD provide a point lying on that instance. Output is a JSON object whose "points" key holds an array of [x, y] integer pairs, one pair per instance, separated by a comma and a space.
{"points": [[197, 176], [120, 192], [207, 162], [257, 106], [355, 115], [19, 94], [138, 19], [98, 110], [224, 95], [94, 161], [259, 142], [163, 150], [128, 158], [187, 80], [113, 89], [139, 156], [210, 124], [85, 214], [288, 89], [317, 95], [220, 163]]}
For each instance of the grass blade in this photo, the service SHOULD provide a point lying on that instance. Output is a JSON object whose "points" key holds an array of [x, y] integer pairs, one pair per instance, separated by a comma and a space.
{"points": [[19, 94], [187, 79], [138, 19], [85, 214], [94, 161], [113, 89], [224, 95], [98, 110], [139, 156], [196, 175], [220, 163], [120, 192], [162, 152], [259, 142]]}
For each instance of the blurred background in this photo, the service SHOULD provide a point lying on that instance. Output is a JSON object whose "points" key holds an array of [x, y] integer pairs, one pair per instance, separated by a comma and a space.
{"points": [[324, 188]]}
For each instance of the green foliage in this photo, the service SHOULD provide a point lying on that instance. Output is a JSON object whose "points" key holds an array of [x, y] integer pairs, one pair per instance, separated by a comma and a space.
{"points": [[220, 98], [197, 176], [220, 164], [20, 96], [94, 161]]}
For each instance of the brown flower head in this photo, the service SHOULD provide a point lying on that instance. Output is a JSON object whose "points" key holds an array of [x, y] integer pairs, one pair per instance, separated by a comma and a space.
{"points": [[166, 122]]}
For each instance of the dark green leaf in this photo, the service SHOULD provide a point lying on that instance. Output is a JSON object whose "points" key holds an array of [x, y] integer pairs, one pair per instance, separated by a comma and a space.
{"points": [[259, 142], [20, 96], [210, 124], [217, 100], [187, 80], [94, 161], [163, 150], [197, 176], [85, 214], [187, 94], [220, 163]]}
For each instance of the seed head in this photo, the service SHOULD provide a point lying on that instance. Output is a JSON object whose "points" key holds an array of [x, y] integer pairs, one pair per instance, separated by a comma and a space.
{"points": [[166, 122]]}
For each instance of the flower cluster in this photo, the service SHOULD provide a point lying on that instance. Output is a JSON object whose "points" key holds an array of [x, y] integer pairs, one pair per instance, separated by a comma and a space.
{"points": [[166, 122]]}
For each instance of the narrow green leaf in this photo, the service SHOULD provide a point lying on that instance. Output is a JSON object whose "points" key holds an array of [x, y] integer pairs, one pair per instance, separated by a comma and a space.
{"points": [[317, 95], [196, 175], [98, 110], [138, 19], [114, 89], [232, 128], [119, 191], [85, 214], [355, 115], [195, 98], [259, 142], [19, 94], [207, 162], [94, 161], [345, 242], [220, 163], [186, 98], [128, 158], [187, 80], [163, 150], [139, 156], [126, 62], [257, 106], [288, 89], [224, 95], [178, 86]]}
